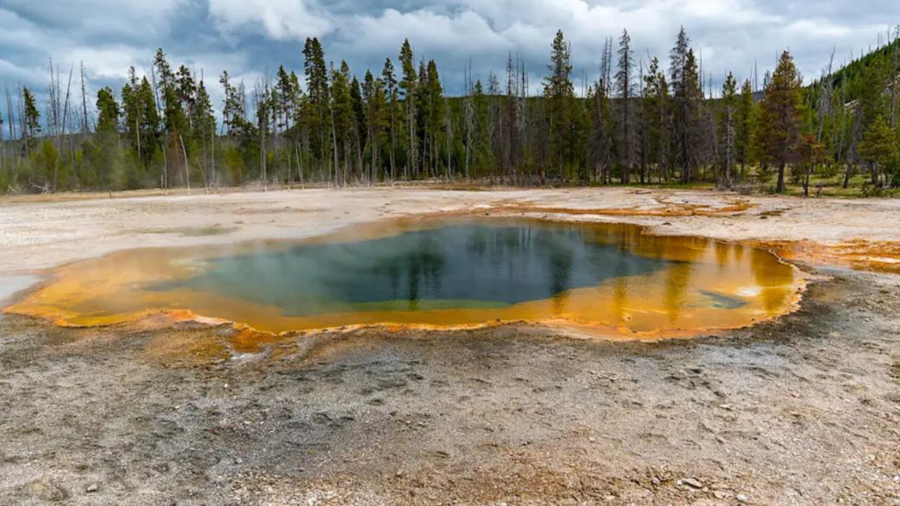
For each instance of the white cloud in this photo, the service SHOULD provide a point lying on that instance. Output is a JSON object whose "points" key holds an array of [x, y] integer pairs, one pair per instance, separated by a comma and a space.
{"points": [[281, 19], [248, 36], [430, 34]]}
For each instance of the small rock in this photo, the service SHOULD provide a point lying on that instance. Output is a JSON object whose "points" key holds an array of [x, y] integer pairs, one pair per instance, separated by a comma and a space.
{"points": [[726, 407], [742, 498], [93, 487], [655, 481], [692, 483], [718, 494], [46, 490]]}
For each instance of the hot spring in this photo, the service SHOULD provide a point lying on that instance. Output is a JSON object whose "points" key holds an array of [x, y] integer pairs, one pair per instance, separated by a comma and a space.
{"points": [[437, 274]]}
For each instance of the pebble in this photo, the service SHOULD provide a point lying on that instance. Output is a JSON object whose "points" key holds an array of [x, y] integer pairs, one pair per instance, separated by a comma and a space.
{"points": [[93, 487], [692, 483], [742, 498], [655, 481]]}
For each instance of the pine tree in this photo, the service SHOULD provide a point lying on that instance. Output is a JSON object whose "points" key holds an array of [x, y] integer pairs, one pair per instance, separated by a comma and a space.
{"points": [[203, 120], [879, 147], [377, 120], [319, 100], [743, 128], [408, 85], [728, 129], [342, 120], [359, 123], [174, 119], [625, 89], [482, 143], [436, 114], [559, 92], [781, 115], [391, 94], [131, 109], [31, 120], [106, 159], [685, 82], [656, 111], [108, 112]]}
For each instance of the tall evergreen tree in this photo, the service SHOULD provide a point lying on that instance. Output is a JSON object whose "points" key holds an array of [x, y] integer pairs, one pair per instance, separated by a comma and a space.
{"points": [[203, 120], [656, 111], [408, 86], [31, 120], [879, 147], [436, 114], [743, 128], [317, 89], [728, 129], [108, 111], [391, 94], [559, 92], [781, 115], [685, 82], [625, 89]]}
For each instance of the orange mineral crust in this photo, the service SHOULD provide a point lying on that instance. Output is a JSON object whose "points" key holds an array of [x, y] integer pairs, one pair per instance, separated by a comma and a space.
{"points": [[703, 286]]}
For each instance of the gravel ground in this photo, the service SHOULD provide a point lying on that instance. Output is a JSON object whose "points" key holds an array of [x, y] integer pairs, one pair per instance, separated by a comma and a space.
{"points": [[803, 410]]}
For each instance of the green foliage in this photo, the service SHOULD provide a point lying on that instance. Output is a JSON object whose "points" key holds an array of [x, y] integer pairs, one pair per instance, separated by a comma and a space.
{"points": [[32, 119], [880, 147], [45, 165], [560, 94], [687, 97], [781, 114], [108, 111], [332, 126]]}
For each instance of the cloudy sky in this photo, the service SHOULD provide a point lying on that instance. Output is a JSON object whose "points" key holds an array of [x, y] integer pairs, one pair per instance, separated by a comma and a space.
{"points": [[247, 37]]}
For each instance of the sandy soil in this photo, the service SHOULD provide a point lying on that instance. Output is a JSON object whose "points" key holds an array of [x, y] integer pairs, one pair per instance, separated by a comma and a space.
{"points": [[805, 410]]}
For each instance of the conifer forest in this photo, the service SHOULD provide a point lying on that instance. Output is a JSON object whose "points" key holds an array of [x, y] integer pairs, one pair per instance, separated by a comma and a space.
{"points": [[655, 120]]}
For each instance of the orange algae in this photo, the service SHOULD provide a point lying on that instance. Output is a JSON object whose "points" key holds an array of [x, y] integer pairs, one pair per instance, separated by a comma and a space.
{"points": [[857, 254], [667, 209], [679, 301]]}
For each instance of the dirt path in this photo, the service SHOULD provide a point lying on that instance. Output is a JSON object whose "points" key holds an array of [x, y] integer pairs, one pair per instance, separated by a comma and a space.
{"points": [[805, 410]]}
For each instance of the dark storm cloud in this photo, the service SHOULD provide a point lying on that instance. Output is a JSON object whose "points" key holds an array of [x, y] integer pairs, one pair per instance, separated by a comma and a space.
{"points": [[251, 37]]}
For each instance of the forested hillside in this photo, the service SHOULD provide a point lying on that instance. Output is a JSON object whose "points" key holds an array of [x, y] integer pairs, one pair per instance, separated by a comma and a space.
{"points": [[641, 122]]}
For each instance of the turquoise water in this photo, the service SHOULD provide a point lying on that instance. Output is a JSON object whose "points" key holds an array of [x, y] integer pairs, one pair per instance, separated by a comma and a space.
{"points": [[456, 266]]}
